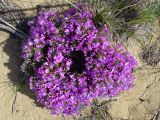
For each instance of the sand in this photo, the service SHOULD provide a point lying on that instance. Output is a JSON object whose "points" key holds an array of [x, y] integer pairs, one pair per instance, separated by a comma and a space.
{"points": [[141, 102]]}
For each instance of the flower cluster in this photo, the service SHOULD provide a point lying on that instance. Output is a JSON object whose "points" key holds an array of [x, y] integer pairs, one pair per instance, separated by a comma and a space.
{"points": [[70, 60]]}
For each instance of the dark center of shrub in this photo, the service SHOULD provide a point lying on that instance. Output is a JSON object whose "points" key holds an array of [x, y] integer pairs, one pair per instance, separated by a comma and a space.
{"points": [[78, 62]]}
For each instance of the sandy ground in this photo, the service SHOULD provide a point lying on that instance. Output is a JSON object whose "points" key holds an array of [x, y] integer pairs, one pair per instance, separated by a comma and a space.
{"points": [[142, 102]]}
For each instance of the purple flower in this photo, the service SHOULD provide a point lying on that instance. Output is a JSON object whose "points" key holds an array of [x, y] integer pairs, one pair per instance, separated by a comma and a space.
{"points": [[58, 58], [70, 61]]}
